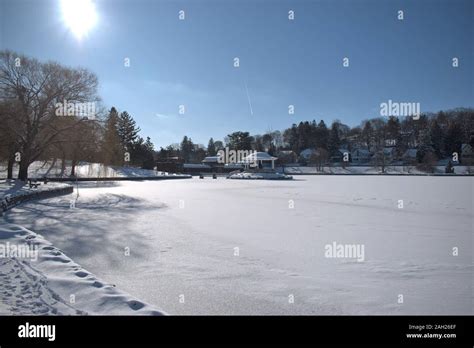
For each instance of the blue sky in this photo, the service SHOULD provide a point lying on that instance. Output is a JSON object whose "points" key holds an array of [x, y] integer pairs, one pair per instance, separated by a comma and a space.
{"points": [[282, 62]]}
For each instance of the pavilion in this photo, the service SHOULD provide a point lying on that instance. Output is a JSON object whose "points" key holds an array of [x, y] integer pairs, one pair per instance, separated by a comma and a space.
{"points": [[260, 160]]}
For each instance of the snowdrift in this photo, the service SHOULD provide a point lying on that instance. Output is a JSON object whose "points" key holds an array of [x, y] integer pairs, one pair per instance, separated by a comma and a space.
{"points": [[52, 284]]}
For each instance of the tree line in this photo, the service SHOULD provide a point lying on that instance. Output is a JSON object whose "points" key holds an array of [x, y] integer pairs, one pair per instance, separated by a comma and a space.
{"points": [[434, 135], [42, 117], [31, 127]]}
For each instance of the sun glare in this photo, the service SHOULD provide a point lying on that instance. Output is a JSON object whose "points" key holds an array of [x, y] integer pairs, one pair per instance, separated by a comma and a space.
{"points": [[80, 16]]}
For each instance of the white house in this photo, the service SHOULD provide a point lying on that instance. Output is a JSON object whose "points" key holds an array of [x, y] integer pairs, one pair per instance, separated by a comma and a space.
{"points": [[307, 153], [340, 155], [360, 156], [409, 155], [467, 154], [260, 160], [389, 153]]}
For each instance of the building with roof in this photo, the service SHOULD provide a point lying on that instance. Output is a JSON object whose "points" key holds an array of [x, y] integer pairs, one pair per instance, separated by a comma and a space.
{"points": [[260, 160], [467, 154], [360, 156]]}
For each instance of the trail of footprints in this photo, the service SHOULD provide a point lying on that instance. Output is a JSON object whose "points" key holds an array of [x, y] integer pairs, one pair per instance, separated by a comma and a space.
{"points": [[24, 291]]}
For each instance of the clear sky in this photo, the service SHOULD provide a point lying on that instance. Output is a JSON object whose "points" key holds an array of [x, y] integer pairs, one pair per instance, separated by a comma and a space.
{"points": [[282, 62]]}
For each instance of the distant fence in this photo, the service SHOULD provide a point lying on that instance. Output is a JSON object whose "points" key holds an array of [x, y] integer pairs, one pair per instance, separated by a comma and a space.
{"points": [[295, 170], [10, 202], [119, 178], [384, 174]]}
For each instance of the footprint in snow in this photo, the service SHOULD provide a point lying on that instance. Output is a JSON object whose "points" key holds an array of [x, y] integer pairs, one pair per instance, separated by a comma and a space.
{"points": [[135, 305], [81, 274]]}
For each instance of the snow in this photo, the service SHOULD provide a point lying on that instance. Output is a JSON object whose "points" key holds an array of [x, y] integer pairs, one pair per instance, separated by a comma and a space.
{"points": [[463, 170], [51, 283], [13, 192], [236, 247], [50, 169], [17, 187], [260, 175], [37, 278]]}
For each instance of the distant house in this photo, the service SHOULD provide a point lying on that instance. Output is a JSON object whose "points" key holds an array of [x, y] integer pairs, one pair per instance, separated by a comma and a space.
{"points": [[212, 161], [360, 156], [170, 164], [340, 154], [306, 154], [409, 138], [409, 156], [260, 160], [389, 153], [287, 156], [467, 154], [191, 167]]}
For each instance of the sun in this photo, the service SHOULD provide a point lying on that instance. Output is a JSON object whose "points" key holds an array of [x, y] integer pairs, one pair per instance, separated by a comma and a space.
{"points": [[80, 16]]}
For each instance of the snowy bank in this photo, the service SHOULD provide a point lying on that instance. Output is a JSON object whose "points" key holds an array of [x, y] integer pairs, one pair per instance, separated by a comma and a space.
{"points": [[371, 170], [51, 169], [36, 278], [14, 192], [260, 176], [183, 237]]}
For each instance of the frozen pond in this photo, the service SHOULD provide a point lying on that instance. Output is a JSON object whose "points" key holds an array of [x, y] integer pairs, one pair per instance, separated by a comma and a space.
{"points": [[259, 247]]}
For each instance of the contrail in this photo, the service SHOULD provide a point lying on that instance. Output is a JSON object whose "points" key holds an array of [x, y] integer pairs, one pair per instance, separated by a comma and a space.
{"points": [[248, 97]]}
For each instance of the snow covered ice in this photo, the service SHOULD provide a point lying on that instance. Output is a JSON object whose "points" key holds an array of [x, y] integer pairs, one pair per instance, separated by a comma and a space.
{"points": [[258, 247]]}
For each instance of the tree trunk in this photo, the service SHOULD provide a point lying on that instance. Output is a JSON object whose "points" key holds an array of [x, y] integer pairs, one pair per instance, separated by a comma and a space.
{"points": [[63, 165], [73, 168], [23, 171], [51, 167], [11, 162]]}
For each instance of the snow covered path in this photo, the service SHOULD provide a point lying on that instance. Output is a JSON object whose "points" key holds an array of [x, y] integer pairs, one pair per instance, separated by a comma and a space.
{"points": [[173, 244], [36, 278]]}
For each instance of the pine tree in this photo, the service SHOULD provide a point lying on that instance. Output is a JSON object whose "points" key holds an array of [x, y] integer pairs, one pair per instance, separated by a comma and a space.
{"points": [[453, 140], [111, 147], [148, 154], [127, 130], [368, 134], [437, 137], [323, 136], [211, 148], [425, 147], [334, 140], [187, 148]]}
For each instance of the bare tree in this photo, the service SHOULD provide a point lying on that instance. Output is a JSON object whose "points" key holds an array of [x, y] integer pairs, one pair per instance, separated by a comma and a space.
{"points": [[38, 88], [319, 158], [8, 146]]}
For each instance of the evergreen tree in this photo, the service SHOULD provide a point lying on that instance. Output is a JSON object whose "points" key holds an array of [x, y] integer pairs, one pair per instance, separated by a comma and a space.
{"points": [[219, 145], [127, 130], [112, 148], [240, 141], [368, 134], [290, 136], [148, 154], [453, 140], [323, 136], [334, 140], [393, 127], [187, 148], [211, 148], [437, 137], [425, 147]]}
